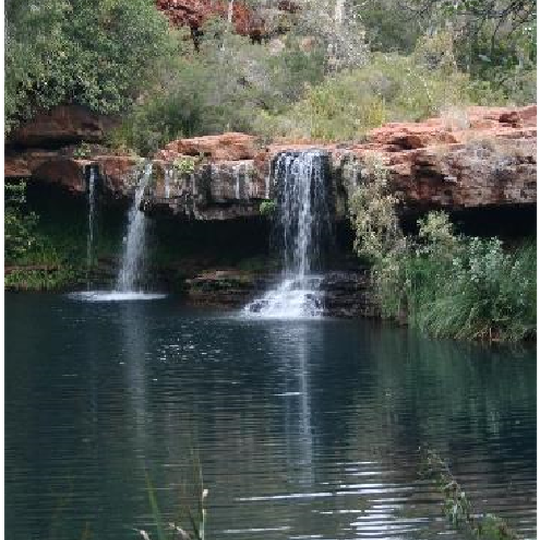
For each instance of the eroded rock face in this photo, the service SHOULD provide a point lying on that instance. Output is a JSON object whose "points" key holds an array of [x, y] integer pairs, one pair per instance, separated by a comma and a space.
{"points": [[476, 158], [65, 124], [488, 158], [231, 146]]}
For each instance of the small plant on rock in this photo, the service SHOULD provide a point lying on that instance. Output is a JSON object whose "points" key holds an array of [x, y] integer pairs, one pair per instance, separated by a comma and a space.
{"points": [[268, 208], [82, 151], [184, 165]]}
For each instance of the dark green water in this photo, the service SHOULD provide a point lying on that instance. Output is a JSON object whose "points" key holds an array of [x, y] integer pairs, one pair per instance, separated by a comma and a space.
{"points": [[304, 429]]}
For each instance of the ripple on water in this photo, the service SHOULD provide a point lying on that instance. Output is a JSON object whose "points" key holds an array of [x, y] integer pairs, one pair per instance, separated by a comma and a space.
{"points": [[304, 429]]}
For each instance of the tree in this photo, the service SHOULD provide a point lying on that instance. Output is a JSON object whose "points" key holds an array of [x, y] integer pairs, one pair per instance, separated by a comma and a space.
{"points": [[99, 53]]}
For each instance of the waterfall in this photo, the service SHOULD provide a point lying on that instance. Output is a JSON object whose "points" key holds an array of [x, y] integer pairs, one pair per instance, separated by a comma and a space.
{"points": [[169, 171], [134, 242], [133, 249], [91, 222], [302, 227]]}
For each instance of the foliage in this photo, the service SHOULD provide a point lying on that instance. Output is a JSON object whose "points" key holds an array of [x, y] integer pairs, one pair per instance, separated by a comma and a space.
{"points": [[184, 165], [373, 213], [315, 77], [268, 208], [385, 30], [493, 41], [457, 505], [484, 293], [447, 285], [43, 279], [195, 526], [221, 87], [82, 151], [389, 88], [19, 226], [75, 51], [332, 26]]}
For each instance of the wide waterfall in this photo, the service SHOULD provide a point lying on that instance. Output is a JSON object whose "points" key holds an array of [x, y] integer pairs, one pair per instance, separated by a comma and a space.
{"points": [[134, 242], [91, 222], [302, 229]]}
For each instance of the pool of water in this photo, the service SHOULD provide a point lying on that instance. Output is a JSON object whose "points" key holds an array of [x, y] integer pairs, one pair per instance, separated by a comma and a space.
{"points": [[304, 428]]}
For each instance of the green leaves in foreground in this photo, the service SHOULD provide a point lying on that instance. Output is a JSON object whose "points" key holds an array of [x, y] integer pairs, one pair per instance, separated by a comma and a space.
{"points": [[19, 225], [457, 506], [191, 522]]}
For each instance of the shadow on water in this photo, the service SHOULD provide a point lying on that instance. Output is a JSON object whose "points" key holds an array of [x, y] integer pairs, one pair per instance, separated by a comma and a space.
{"points": [[303, 427]]}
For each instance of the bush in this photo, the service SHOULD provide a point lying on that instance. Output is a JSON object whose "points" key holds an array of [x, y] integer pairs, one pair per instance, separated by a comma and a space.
{"points": [[461, 287], [20, 226], [447, 285], [222, 87], [268, 208], [373, 213], [389, 88]]}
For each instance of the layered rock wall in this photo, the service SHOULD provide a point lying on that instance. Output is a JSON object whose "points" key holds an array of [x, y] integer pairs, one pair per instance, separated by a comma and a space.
{"points": [[484, 158]]}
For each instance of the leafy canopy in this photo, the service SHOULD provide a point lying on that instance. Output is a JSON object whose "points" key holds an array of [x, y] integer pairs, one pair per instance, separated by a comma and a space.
{"points": [[97, 53]]}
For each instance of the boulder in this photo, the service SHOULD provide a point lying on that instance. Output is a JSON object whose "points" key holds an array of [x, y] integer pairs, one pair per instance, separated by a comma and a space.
{"points": [[230, 146], [65, 124], [68, 173]]}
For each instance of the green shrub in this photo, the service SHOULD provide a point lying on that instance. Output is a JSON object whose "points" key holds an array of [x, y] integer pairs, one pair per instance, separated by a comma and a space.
{"points": [[82, 151], [372, 212], [20, 226], [268, 208], [29, 279], [447, 285], [389, 88], [485, 293], [184, 165]]}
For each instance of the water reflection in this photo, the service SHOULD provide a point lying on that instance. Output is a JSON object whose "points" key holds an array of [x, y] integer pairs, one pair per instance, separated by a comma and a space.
{"points": [[293, 353], [134, 351], [304, 429]]}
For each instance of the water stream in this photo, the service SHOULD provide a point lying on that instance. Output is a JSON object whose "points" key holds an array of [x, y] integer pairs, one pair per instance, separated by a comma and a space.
{"points": [[128, 282], [91, 222], [303, 224], [134, 242]]}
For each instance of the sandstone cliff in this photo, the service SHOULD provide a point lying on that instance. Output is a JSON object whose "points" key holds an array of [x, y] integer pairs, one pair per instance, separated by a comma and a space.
{"points": [[485, 157]]}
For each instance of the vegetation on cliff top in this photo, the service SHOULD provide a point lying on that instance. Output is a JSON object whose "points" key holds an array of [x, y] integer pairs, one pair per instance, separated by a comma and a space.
{"points": [[330, 70]]}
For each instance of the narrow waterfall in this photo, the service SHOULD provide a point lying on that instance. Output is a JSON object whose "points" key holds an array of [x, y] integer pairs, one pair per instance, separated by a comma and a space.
{"points": [[169, 171], [91, 223], [134, 242], [302, 227]]}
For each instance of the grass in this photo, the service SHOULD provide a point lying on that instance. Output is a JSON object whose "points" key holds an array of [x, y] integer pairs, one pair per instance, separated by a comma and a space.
{"points": [[478, 291], [445, 284], [44, 279], [191, 522]]}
